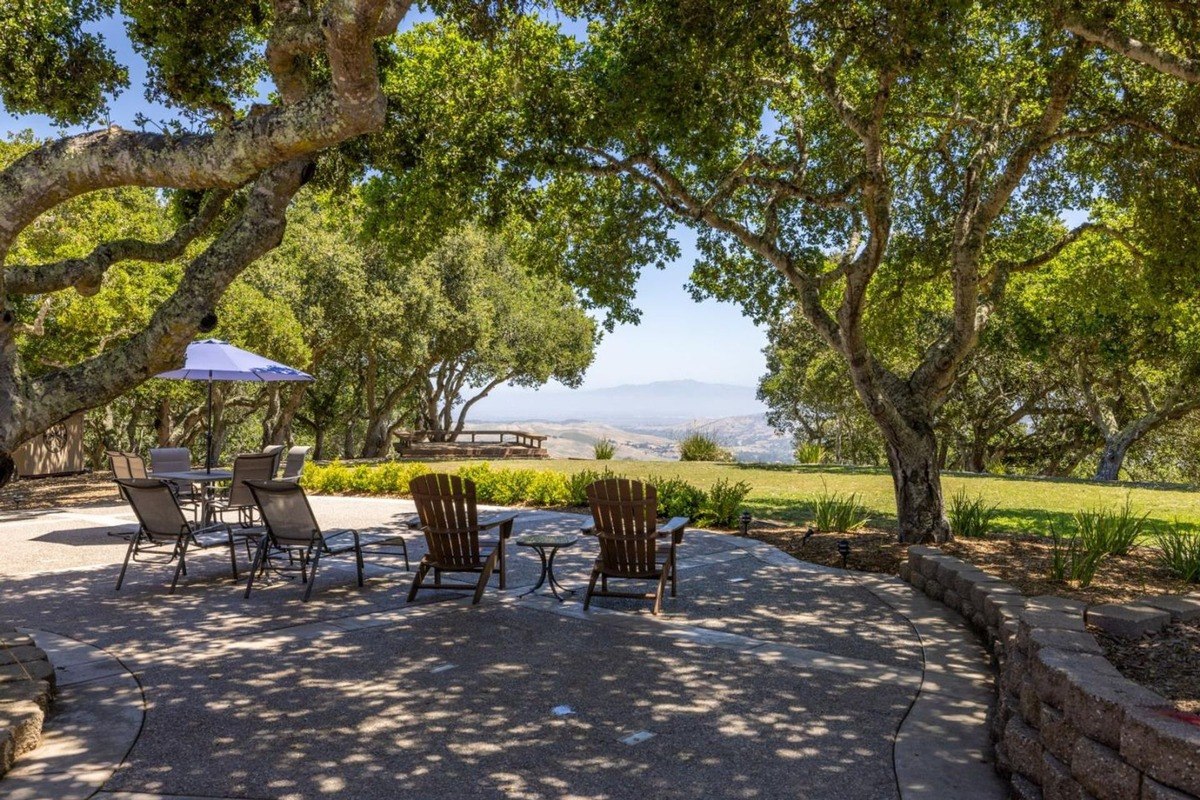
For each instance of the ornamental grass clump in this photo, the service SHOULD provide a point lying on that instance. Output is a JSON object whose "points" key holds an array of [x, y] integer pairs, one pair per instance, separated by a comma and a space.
{"points": [[604, 449], [1110, 531], [1072, 560], [835, 511], [1179, 552], [697, 446], [970, 518]]}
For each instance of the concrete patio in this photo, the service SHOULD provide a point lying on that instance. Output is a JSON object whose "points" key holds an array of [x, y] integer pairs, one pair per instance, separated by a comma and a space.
{"points": [[766, 678]]}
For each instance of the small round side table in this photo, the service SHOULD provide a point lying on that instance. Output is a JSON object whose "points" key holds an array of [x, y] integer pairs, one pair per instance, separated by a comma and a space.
{"points": [[547, 545]]}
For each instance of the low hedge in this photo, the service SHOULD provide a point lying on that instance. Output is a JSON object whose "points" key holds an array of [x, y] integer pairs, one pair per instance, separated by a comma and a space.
{"points": [[508, 486]]}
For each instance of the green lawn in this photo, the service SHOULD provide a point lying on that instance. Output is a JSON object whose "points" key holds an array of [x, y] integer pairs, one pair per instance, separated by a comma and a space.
{"points": [[781, 491]]}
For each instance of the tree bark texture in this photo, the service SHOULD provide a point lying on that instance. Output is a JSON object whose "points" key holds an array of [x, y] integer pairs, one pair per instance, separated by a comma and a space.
{"points": [[267, 155]]}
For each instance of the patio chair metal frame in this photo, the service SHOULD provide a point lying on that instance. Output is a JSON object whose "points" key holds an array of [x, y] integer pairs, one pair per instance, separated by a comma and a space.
{"points": [[239, 498], [625, 520], [178, 459], [450, 520], [165, 526], [299, 537], [293, 464]]}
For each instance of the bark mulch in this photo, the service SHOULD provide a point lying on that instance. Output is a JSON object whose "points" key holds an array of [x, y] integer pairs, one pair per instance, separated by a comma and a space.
{"points": [[33, 494], [1166, 662]]}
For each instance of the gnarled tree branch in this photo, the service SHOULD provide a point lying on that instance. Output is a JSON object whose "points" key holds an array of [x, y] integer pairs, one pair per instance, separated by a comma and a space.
{"points": [[85, 274]]}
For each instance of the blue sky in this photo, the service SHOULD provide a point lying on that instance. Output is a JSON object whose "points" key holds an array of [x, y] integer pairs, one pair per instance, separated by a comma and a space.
{"points": [[677, 338]]}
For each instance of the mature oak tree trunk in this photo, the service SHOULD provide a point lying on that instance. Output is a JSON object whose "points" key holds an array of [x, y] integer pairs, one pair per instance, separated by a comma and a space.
{"points": [[269, 152], [902, 406]]}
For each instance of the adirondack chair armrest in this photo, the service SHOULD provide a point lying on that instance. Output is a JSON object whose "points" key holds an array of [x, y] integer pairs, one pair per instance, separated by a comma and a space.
{"points": [[674, 528], [498, 520]]}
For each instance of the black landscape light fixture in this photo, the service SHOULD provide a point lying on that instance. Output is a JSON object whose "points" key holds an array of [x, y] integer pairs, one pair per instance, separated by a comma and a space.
{"points": [[843, 546], [745, 526]]}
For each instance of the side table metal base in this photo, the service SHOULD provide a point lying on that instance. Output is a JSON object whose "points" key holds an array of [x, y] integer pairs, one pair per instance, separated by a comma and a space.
{"points": [[547, 575]]}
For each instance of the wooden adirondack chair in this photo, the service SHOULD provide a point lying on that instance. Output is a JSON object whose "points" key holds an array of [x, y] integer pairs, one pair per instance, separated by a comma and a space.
{"points": [[625, 519], [446, 505]]}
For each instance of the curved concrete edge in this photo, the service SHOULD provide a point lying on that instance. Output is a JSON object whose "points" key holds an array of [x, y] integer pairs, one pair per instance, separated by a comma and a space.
{"points": [[943, 748], [97, 717]]}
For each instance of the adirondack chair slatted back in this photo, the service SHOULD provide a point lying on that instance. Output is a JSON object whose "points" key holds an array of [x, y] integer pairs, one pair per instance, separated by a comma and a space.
{"points": [[626, 516], [446, 505], [249, 467], [155, 506], [170, 459], [286, 512]]}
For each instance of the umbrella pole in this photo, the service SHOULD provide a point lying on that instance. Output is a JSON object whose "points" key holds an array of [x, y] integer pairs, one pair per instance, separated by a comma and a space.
{"points": [[208, 432]]}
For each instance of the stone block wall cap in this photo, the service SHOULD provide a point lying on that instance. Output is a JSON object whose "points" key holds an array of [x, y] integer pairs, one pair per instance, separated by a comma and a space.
{"points": [[1181, 607], [1163, 744], [1071, 641], [1048, 618], [1128, 621], [1049, 602]]}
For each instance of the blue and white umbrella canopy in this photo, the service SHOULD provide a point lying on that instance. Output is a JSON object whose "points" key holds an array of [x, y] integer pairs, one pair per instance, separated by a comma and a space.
{"points": [[214, 360]]}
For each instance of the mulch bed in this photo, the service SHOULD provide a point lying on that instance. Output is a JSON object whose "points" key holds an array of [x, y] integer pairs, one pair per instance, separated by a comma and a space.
{"points": [[69, 490], [1166, 662]]}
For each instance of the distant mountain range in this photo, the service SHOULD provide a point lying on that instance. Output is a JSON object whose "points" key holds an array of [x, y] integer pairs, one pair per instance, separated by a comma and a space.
{"points": [[645, 420], [659, 402]]}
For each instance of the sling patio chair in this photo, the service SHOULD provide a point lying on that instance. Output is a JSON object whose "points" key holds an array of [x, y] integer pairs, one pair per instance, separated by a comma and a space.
{"points": [[292, 531], [165, 532], [446, 506], [293, 465], [277, 451], [625, 520], [177, 459], [248, 467]]}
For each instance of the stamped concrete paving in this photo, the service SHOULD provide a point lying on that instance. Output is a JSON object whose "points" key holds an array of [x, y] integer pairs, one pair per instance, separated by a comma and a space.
{"points": [[765, 678]]}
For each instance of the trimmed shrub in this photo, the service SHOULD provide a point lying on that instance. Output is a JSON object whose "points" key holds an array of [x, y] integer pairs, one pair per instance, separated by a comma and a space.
{"points": [[604, 449], [548, 489], [970, 518], [724, 501], [578, 482], [697, 446], [678, 498]]}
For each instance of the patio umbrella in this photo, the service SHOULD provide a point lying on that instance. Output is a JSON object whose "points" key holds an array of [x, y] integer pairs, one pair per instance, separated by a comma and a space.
{"points": [[214, 360]]}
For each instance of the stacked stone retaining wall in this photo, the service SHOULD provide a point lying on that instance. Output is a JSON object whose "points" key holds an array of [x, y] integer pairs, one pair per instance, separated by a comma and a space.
{"points": [[1066, 724], [26, 689]]}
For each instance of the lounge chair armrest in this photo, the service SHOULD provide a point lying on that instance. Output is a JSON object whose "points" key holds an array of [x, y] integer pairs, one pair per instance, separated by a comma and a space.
{"points": [[674, 528], [500, 519]]}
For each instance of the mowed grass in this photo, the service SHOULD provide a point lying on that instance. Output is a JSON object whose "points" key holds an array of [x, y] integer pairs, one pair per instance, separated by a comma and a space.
{"points": [[1025, 505]]}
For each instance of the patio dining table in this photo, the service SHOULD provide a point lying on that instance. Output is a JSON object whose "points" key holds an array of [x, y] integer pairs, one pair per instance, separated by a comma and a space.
{"points": [[207, 478]]}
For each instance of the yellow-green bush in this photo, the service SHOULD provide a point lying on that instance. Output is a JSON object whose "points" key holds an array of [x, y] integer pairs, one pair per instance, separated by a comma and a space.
{"points": [[390, 477], [523, 486]]}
